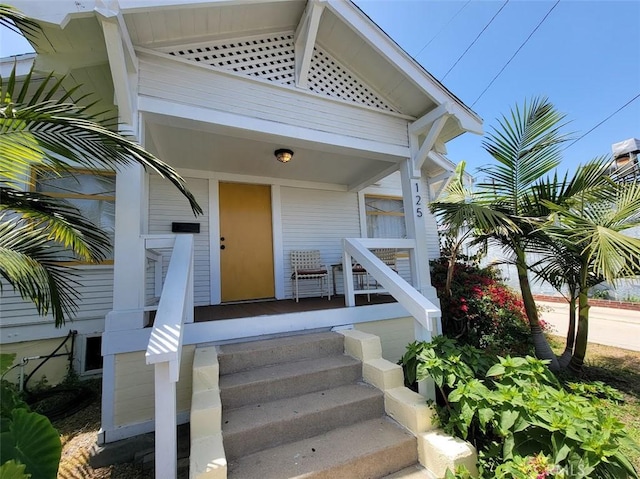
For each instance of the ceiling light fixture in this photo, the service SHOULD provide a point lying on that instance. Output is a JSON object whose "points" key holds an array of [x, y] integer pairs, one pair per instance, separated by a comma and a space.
{"points": [[283, 155]]}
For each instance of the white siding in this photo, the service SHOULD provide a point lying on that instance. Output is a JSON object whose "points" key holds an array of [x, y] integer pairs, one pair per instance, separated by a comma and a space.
{"points": [[316, 219], [95, 286], [193, 85], [134, 387], [167, 205]]}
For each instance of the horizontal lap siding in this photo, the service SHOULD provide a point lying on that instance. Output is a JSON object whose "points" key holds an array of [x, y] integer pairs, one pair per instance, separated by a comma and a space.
{"points": [[134, 387], [167, 205], [316, 219], [192, 85], [95, 290]]}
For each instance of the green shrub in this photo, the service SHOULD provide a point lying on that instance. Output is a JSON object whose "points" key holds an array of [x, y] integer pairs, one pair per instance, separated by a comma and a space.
{"points": [[481, 310], [520, 418], [29, 445]]}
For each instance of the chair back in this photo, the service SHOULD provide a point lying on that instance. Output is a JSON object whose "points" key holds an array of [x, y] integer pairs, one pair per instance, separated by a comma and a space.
{"points": [[387, 256], [305, 260]]}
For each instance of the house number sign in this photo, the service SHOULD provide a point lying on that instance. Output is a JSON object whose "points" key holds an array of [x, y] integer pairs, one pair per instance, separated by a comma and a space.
{"points": [[417, 200]]}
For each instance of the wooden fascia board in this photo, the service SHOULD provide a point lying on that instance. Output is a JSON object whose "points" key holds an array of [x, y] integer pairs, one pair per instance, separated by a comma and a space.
{"points": [[390, 50], [304, 41], [22, 64], [141, 6], [271, 128]]}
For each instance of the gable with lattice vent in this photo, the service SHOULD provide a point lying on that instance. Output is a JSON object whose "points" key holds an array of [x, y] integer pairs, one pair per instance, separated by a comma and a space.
{"points": [[272, 58]]}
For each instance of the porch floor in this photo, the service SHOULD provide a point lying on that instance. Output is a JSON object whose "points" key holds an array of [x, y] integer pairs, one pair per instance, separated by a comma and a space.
{"points": [[283, 306]]}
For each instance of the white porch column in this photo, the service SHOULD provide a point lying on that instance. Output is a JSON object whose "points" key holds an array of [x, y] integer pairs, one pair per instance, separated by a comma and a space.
{"points": [[416, 207], [129, 258]]}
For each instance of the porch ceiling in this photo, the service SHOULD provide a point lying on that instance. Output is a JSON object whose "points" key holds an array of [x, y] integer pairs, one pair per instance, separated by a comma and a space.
{"points": [[187, 144]]}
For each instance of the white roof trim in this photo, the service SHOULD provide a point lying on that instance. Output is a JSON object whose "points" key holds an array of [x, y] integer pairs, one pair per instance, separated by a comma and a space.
{"points": [[385, 46]]}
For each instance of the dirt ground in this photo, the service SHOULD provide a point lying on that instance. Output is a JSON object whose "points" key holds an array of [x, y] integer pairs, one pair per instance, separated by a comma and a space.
{"points": [[78, 435]]}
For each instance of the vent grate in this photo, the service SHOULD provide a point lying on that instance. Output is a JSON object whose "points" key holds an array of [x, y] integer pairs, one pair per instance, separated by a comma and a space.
{"points": [[328, 77], [272, 58]]}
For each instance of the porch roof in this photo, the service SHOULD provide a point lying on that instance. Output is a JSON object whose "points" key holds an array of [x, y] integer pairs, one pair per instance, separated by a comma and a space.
{"points": [[73, 40], [101, 45]]}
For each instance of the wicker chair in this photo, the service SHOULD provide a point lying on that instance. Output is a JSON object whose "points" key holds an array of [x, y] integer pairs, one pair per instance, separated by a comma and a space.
{"points": [[306, 264]]}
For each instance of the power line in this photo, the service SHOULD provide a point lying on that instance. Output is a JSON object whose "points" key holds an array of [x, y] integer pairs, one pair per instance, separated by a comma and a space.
{"points": [[516, 52], [476, 39], [442, 29], [607, 118]]}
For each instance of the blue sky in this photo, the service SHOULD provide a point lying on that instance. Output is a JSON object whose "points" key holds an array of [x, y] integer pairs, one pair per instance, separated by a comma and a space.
{"points": [[585, 57]]}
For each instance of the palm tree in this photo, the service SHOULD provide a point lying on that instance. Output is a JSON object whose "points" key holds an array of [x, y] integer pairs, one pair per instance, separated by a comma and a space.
{"points": [[42, 129], [589, 225], [502, 209]]}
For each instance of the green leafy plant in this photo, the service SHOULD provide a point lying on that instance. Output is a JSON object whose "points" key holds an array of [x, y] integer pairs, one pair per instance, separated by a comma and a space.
{"points": [[29, 445], [520, 418], [481, 311]]}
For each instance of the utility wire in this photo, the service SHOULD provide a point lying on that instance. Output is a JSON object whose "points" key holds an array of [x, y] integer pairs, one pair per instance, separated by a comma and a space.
{"points": [[442, 29], [607, 118], [476, 39], [516, 52]]}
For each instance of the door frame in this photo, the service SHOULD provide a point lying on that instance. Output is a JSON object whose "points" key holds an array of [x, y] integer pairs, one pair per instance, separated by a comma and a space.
{"points": [[214, 235]]}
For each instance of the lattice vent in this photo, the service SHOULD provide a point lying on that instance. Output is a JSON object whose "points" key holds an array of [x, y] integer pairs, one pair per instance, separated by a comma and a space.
{"points": [[270, 58], [330, 78]]}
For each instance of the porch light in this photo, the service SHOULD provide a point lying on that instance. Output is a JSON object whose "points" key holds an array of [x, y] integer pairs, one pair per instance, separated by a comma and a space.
{"points": [[283, 155]]}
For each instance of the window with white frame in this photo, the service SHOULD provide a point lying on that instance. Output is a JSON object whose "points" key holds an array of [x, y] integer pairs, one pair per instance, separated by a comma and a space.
{"points": [[93, 193], [385, 216]]}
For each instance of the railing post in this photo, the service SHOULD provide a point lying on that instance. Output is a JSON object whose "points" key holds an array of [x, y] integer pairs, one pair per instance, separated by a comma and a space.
{"points": [[349, 295], [166, 436], [164, 351]]}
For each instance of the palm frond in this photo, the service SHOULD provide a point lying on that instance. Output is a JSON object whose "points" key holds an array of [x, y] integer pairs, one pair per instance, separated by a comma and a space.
{"points": [[48, 133], [58, 221], [16, 21], [29, 263], [526, 147]]}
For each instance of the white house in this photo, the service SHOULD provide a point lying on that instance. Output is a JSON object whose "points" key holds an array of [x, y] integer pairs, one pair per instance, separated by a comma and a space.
{"points": [[214, 88]]}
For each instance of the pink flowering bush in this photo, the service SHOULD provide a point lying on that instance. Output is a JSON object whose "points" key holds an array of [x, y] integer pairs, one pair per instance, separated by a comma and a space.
{"points": [[481, 310]]}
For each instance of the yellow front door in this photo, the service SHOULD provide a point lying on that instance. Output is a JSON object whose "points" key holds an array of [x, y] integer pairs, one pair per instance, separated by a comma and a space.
{"points": [[246, 242]]}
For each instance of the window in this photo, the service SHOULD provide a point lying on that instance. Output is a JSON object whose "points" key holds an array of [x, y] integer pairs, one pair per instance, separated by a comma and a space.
{"points": [[92, 192], [385, 217], [92, 358]]}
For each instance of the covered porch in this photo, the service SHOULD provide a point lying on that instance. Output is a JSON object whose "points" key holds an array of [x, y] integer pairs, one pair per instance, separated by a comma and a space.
{"points": [[257, 309]]}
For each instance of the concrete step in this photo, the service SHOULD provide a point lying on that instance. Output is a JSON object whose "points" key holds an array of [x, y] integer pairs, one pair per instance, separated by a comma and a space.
{"points": [[253, 354], [269, 383], [412, 472], [259, 426], [368, 449]]}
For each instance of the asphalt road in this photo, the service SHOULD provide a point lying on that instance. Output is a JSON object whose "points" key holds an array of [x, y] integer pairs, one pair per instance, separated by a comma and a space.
{"points": [[608, 326]]}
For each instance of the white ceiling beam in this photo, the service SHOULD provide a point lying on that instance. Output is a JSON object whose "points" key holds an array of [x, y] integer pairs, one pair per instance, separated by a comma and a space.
{"points": [[423, 123], [368, 179], [420, 156], [305, 40], [121, 71]]}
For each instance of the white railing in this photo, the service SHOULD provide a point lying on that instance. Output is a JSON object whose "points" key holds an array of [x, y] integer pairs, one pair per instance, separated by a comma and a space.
{"points": [[165, 346], [425, 313]]}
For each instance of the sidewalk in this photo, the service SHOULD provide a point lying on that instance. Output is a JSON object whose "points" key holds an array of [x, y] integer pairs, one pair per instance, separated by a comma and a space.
{"points": [[608, 326]]}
